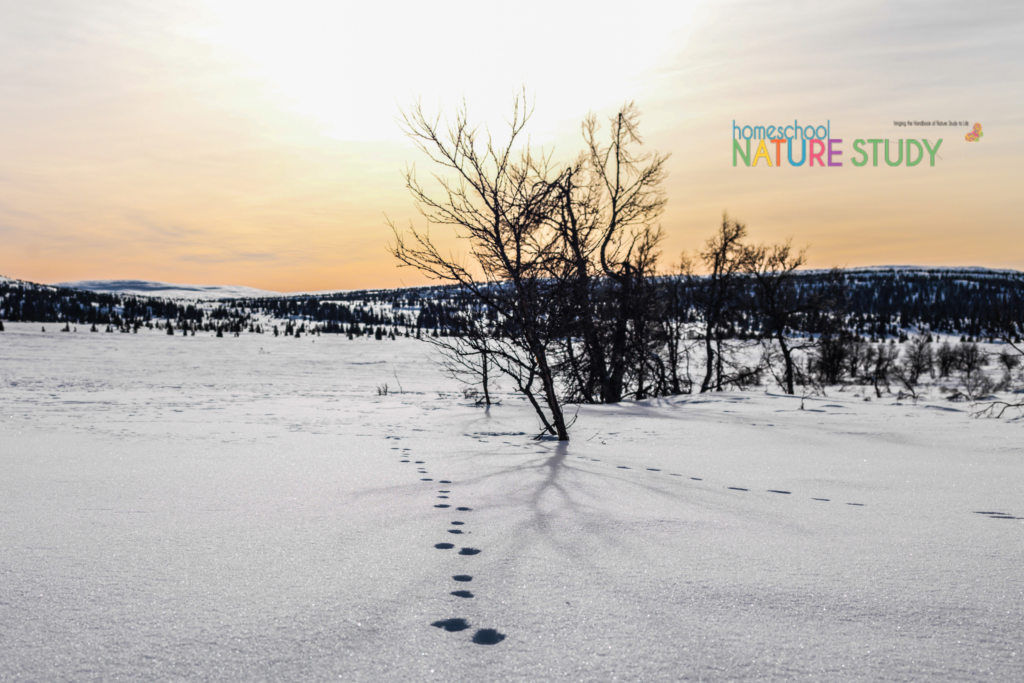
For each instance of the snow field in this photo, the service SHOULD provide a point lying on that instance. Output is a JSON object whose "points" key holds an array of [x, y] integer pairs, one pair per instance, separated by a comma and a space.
{"points": [[196, 508]]}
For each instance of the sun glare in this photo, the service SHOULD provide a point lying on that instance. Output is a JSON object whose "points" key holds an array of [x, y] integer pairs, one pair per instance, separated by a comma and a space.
{"points": [[350, 66]]}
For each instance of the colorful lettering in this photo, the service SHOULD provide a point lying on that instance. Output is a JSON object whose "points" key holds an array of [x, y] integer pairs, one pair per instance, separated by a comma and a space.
{"points": [[803, 153], [874, 150], [834, 152], [762, 151], [931, 151], [736, 149], [817, 155], [857, 149], [899, 160], [920, 152]]}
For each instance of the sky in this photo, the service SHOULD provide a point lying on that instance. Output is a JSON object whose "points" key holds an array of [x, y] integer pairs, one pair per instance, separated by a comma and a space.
{"points": [[256, 143]]}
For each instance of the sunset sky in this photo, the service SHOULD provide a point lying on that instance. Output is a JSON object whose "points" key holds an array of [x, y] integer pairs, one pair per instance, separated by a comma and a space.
{"points": [[255, 143]]}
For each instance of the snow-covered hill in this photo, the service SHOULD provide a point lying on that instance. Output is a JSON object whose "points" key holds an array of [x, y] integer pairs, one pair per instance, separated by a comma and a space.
{"points": [[168, 290], [940, 270]]}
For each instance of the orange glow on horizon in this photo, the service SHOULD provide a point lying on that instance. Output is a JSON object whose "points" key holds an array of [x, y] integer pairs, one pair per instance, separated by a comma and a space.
{"points": [[220, 142]]}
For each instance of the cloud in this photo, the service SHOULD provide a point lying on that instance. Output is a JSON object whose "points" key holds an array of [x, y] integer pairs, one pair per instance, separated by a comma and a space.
{"points": [[222, 138]]}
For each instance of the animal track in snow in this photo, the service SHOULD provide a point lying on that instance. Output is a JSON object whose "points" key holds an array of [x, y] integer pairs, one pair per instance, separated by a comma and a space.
{"points": [[994, 515], [488, 636], [452, 625]]}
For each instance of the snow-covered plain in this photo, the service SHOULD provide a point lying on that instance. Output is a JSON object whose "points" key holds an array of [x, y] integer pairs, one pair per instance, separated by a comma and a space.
{"points": [[194, 508]]}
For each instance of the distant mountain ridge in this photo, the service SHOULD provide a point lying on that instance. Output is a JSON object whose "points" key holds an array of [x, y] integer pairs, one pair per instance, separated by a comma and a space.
{"points": [[168, 290]]}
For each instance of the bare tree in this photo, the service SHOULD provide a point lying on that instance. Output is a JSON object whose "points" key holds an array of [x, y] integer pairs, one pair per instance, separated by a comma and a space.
{"points": [[1007, 320], [1009, 361], [715, 293], [945, 359], [498, 197], [881, 364], [677, 344], [610, 200], [970, 359], [917, 361], [780, 305], [468, 350]]}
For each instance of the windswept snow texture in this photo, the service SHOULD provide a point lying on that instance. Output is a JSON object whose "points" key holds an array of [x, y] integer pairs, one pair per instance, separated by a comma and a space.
{"points": [[203, 509]]}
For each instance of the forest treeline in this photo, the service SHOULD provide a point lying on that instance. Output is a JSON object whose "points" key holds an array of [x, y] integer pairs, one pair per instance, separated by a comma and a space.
{"points": [[881, 304]]}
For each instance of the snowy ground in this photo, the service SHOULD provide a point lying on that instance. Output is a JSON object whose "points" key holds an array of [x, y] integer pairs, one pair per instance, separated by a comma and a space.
{"points": [[249, 508]]}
